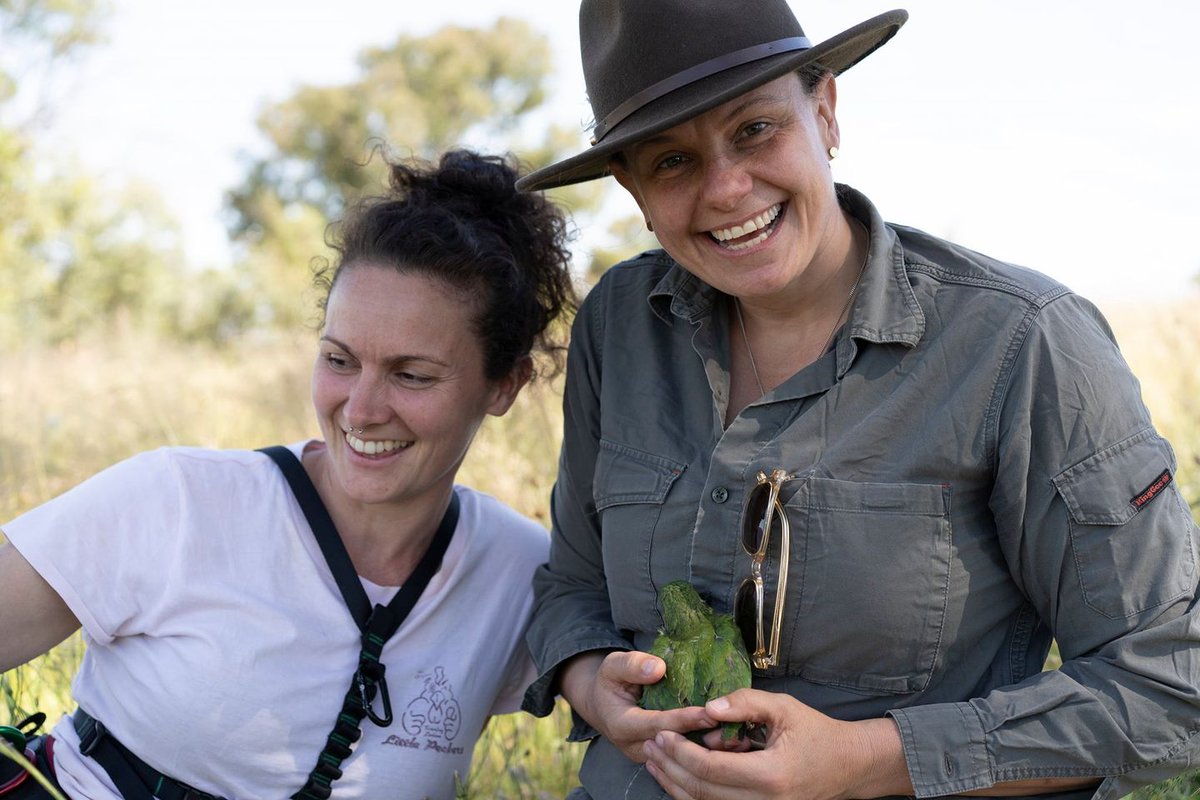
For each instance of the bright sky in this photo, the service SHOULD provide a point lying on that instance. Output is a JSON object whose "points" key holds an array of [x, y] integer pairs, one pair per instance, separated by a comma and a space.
{"points": [[1059, 134]]}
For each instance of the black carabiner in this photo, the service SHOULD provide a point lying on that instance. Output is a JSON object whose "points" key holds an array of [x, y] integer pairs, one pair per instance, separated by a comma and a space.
{"points": [[366, 690]]}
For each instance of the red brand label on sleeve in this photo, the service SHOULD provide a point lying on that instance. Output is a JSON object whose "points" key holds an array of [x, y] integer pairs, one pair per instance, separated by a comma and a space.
{"points": [[1152, 491]]}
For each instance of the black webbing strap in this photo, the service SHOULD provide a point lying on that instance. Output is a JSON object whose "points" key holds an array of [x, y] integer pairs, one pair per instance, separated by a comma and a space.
{"points": [[377, 624], [134, 778], [322, 526]]}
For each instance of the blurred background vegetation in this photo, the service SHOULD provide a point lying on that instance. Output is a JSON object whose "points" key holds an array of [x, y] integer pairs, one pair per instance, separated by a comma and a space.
{"points": [[80, 257], [111, 343]]}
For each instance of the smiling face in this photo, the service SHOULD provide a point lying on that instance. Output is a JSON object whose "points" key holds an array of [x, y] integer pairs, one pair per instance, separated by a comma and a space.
{"points": [[400, 359], [742, 196]]}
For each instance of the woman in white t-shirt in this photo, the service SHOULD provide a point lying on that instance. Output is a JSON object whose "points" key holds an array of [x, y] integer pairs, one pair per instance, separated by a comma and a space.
{"points": [[226, 653]]}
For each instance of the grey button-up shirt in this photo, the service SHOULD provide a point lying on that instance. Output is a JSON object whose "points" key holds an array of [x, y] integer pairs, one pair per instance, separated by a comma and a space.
{"points": [[976, 474]]}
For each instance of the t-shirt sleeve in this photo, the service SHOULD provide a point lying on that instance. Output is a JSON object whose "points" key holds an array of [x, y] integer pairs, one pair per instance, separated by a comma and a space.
{"points": [[103, 546], [527, 553], [520, 674]]}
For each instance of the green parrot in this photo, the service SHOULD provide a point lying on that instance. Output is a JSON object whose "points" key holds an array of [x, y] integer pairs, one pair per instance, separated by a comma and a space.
{"points": [[704, 651]]}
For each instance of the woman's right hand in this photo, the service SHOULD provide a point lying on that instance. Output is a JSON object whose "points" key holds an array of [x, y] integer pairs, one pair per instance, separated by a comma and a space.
{"points": [[604, 689]]}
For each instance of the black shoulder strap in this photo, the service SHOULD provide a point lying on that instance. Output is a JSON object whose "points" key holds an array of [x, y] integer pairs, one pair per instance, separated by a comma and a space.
{"points": [[377, 624], [323, 529], [339, 560]]}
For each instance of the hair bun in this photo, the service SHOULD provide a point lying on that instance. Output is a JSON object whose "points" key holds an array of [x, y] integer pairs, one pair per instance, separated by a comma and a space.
{"points": [[460, 175]]}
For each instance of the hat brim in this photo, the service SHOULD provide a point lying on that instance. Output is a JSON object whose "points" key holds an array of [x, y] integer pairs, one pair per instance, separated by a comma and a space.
{"points": [[836, 54]]}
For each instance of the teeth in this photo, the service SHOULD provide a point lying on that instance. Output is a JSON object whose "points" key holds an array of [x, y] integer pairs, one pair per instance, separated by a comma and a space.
{"points": [[750, 226], [743, 245], [374, 448]]}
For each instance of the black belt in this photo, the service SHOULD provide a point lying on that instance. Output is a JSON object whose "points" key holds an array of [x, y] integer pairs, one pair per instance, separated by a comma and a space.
{"points": [[134, 778]]}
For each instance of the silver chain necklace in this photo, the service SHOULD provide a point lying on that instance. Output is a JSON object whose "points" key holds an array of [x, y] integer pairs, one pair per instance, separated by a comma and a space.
{"points": [[737, 307]]}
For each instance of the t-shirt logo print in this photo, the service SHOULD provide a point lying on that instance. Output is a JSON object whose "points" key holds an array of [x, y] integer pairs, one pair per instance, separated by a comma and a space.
{"points": [[434, 713]]}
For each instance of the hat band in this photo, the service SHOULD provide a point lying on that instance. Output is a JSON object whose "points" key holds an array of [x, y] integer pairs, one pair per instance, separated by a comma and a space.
{"points": [[692, 74]]}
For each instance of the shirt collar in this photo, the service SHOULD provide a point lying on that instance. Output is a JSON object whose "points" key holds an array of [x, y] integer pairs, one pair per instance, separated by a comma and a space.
{"points": [[680, 293], [885, 307]]}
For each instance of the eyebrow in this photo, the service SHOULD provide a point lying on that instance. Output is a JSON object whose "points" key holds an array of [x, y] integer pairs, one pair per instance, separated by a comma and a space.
{"points": [[390, 360], [768, 98]]}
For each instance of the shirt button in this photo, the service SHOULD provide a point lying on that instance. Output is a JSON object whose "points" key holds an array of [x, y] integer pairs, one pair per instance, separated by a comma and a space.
{"points": [[720, 494]]}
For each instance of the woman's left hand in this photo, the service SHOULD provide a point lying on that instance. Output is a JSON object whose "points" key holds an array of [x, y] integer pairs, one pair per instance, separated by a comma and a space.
{"points": [[807, 755]]}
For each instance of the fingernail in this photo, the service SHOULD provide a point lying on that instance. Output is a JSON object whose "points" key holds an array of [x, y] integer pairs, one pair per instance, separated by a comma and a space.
{"points": [[647, 668], [658, 739], [720, 704]]}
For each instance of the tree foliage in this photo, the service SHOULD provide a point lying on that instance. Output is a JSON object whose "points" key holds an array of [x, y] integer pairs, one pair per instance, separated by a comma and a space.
{"points": [[77, 257], [327, 145], [80, 256], [417, 97], [36, 36]]}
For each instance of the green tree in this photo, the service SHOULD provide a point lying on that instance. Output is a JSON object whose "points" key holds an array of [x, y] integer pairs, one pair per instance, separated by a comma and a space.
{"points": [[415, 97], [420, 95], [36, 37], [76, 255]]}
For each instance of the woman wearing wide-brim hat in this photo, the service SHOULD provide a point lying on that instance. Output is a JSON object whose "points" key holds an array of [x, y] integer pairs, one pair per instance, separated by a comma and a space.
{"points": [[933, 462]]}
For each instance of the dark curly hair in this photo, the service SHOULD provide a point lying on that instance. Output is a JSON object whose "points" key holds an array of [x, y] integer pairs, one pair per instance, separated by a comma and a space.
{"points": [[463, 221]]}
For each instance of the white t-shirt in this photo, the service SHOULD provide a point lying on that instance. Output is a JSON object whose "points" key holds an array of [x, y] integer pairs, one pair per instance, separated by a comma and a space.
{"points": [[219, 648]]}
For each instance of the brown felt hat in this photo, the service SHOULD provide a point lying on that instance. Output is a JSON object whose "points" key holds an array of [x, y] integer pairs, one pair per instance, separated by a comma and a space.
{"points": [[651, 64]]}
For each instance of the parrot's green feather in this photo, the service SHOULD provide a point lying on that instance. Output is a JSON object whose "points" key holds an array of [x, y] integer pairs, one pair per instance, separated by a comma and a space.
{"points": [[704, 652], [661, 696], [728, 667]]}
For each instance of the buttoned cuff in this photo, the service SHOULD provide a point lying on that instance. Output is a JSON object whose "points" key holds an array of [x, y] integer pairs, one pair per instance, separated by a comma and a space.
{"points": [[944, 748]]}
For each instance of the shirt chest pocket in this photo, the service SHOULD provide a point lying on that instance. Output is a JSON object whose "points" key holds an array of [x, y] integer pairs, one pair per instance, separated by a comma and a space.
{"points": [[870, 573], [629, 488]]}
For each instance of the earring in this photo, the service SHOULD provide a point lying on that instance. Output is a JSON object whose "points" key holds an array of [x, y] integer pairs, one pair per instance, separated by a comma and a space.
{"points": [[833, 152]]}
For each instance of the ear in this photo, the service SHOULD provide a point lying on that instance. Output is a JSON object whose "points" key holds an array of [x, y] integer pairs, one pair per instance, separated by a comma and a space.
{"points": [[505, 390], [825, 96]]}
